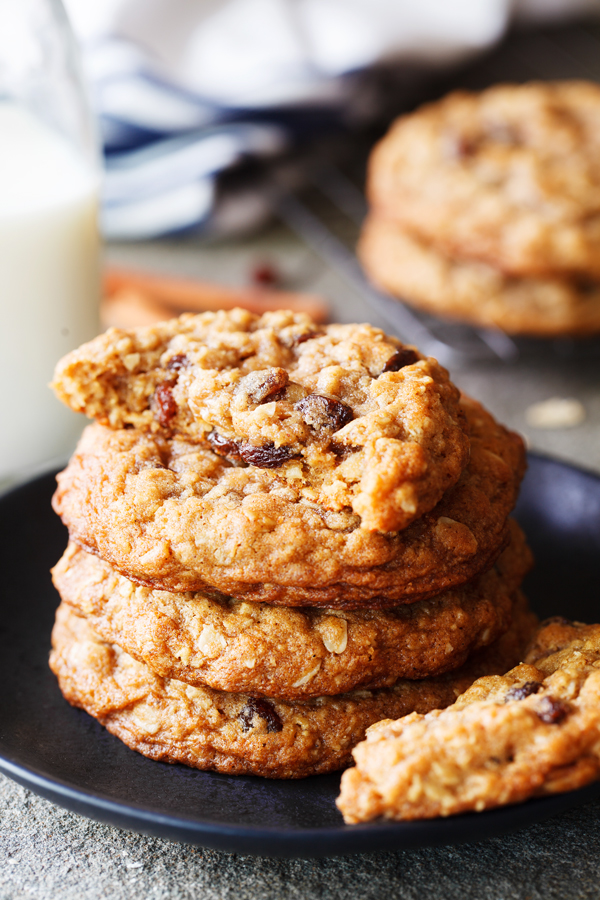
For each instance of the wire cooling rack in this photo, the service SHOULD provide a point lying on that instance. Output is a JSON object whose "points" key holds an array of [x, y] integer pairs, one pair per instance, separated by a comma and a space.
{"points": [[328, 211]]}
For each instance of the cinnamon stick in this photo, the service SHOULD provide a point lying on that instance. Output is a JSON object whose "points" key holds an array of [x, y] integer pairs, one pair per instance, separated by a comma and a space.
{"points": [[186, 295]]}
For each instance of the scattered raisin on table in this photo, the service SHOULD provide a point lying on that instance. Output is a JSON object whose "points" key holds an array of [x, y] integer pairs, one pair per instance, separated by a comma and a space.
{"points": [[265, 273]]}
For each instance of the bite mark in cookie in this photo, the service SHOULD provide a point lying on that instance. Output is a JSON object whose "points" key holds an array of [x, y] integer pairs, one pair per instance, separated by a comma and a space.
{"points": [[281, 392]]}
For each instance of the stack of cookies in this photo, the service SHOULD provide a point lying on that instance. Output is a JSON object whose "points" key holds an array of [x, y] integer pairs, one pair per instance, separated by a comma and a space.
{"points": [[280, 534], [486, 208]]}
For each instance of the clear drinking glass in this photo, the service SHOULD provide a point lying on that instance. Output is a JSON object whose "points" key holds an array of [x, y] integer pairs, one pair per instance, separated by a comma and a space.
{"points": [[49, 240]]}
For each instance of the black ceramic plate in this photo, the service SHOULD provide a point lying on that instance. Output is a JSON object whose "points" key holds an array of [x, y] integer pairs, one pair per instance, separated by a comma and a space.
{"points": [[64, 755]]}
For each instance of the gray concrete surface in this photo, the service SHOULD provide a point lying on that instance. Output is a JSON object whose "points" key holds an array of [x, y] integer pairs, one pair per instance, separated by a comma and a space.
{"points": [[46, 852], [49, 853]]}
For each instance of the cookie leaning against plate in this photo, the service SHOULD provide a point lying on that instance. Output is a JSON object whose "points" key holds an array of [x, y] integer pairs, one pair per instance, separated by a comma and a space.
{"points": [[474, 291], [172, 515], [510, 176], [533, 732], [292, 654], [347, 417], [172, 721]]}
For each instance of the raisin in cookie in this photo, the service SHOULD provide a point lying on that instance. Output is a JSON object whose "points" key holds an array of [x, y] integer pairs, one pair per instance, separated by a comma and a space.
{"points": [[533, 731], [172, 721], [510, 176], [172, 515], [259, 649], [348, 417], [473, 291]]}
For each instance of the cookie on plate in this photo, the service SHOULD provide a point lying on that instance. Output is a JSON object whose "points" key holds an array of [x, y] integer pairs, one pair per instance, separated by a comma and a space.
{"points": [[473, 291], [347, 417], [264, 650], [168, 720], [173, 515], [531, 732]]}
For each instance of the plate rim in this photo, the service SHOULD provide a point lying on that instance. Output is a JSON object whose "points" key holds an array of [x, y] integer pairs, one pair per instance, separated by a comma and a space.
{"points": [[341, 840]]}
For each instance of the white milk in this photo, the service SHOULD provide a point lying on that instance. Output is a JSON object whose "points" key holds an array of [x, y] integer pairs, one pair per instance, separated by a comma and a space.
{"points": [[49, 285]]}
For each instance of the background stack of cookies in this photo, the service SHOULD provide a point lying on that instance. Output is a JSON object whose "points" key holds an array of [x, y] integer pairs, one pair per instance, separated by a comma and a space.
{"points": [[281, 533], [486, 208]]}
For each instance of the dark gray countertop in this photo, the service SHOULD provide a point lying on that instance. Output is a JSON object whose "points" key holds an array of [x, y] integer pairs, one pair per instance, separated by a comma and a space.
{"points": [[50, 853]]}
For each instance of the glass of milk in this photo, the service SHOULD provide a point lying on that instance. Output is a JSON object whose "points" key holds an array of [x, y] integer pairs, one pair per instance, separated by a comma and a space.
{"points": [[49, 241]]}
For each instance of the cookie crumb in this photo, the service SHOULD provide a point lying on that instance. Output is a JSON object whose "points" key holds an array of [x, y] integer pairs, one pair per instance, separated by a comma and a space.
{"points": [[556, 412]]}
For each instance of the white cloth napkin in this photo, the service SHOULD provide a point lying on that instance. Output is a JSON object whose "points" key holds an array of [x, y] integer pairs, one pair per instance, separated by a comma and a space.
{"points": [[185, 89]]}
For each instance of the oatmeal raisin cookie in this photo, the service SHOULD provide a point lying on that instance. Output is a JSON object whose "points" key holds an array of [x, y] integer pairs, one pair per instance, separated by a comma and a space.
{"points": [[510, 176], [169, 720], [172, 515], [474, 291], [347, 417], [265, 650], [531, 732]]}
